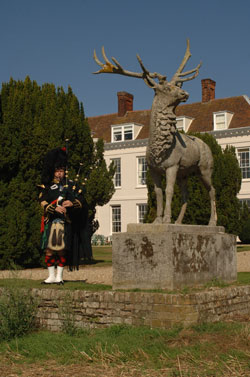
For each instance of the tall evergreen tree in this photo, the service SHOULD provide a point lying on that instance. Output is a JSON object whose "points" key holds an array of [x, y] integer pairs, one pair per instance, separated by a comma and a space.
{"points": [[244, 234], [33, 120], [226, 180], [100, 186]]}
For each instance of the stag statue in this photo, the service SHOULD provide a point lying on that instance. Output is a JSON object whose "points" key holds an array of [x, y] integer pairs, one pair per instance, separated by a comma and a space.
{"points": [[169, 152]]}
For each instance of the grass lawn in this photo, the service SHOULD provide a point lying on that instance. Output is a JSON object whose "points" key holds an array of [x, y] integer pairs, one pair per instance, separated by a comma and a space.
{"points": [[102, 255], [243, 248], [206, 350], [243, 279], [70, 285]]}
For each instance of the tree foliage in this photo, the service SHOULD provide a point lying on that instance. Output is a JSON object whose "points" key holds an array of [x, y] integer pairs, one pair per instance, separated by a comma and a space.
{"points": [[244, 234], [100, 186], [33, 120], [227, 182]]}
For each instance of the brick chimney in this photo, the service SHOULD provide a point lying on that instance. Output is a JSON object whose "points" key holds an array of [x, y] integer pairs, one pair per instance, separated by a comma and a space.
{"points": [[208, 90], [125, 103]]}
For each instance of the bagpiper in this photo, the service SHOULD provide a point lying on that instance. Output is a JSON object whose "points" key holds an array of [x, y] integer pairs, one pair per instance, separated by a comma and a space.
{"points": [[64, 226]]}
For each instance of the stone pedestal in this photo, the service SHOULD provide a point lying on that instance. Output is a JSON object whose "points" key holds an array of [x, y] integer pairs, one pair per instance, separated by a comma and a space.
{"points": [[168, 256]]}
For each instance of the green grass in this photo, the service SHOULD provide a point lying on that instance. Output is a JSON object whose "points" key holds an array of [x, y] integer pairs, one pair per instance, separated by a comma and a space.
{"points": [[70, 285], [217, 327], [64, 348], [243, 279], [203, 350], [102, 256], [243, 248]]}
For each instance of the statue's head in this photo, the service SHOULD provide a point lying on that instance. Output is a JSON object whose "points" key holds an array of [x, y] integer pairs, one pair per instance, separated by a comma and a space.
{"points": [[170, 95]]}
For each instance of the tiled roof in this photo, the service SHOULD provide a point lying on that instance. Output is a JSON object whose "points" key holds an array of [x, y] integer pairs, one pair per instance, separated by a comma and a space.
{"points": [[200, 111], [100, 125]]}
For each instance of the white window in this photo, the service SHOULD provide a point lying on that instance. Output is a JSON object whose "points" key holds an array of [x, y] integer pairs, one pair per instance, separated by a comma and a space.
{"points": [[128, 132], [183, 123], [141, 212], [116, 219], [123, 132], [141, 171], [180, 124], [117, 176], [243, 156], [116, 133], [222, 120]]}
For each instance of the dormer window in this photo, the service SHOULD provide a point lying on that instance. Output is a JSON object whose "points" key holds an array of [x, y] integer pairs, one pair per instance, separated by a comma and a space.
{"points": [[128, 132], [124, 132], [179, 124], [222, 120], [121, 133], [183, 123], [116, 133]]}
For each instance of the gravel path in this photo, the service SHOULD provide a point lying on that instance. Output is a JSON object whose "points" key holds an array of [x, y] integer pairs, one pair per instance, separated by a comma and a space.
{"points": [[243, 261], [91, 275], [99, 275]]}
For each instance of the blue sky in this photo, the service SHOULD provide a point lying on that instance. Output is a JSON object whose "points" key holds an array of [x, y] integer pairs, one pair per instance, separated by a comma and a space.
{"points": [[53, 41]]}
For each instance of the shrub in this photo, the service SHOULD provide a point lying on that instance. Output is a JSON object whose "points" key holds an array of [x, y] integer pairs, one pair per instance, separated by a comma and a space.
{"points": [[17, 313], [244, 234], [100, 240]]}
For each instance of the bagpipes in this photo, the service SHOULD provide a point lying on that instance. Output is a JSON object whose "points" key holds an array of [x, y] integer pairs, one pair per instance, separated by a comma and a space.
{"points": [[76, 190]]}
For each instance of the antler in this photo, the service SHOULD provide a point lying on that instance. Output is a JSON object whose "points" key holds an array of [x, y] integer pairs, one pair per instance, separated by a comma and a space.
{"points": [[109, 67], [148, 77], [177, 78]]}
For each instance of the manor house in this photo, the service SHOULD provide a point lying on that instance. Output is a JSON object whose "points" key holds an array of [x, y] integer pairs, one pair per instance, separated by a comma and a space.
{"points": [[125, 134]]}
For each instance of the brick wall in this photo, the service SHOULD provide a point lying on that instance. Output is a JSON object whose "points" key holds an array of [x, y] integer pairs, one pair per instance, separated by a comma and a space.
{"points": [[104, 308]]}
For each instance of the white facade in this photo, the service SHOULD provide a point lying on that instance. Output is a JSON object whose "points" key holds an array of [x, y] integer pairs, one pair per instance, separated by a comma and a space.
{"points": [[130, 194], [240, 139], [130, 197]]}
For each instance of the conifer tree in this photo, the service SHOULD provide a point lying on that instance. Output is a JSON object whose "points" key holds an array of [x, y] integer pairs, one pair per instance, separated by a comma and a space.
{"points": [[244, 233], [100, 186], [33, 120]]}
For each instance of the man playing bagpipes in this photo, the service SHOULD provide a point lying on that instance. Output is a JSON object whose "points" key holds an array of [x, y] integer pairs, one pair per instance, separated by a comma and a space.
{"points": [[65, 231]]}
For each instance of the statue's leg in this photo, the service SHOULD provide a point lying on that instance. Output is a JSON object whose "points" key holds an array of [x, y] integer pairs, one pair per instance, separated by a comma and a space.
{"points": [[184, 194], [170, 182], [206, 177], [159, 197]]}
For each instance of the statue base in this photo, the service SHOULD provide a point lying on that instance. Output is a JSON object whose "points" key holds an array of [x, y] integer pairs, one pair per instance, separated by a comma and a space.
{"points": [[169, 256]]}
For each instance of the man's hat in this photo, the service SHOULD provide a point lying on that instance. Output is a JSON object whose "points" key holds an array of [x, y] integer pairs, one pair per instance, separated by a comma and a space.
{"points": [[54, 159]]}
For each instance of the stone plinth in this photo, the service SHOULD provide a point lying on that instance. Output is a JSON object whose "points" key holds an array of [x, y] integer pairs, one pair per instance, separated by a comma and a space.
{"points": [[168, 256]]}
